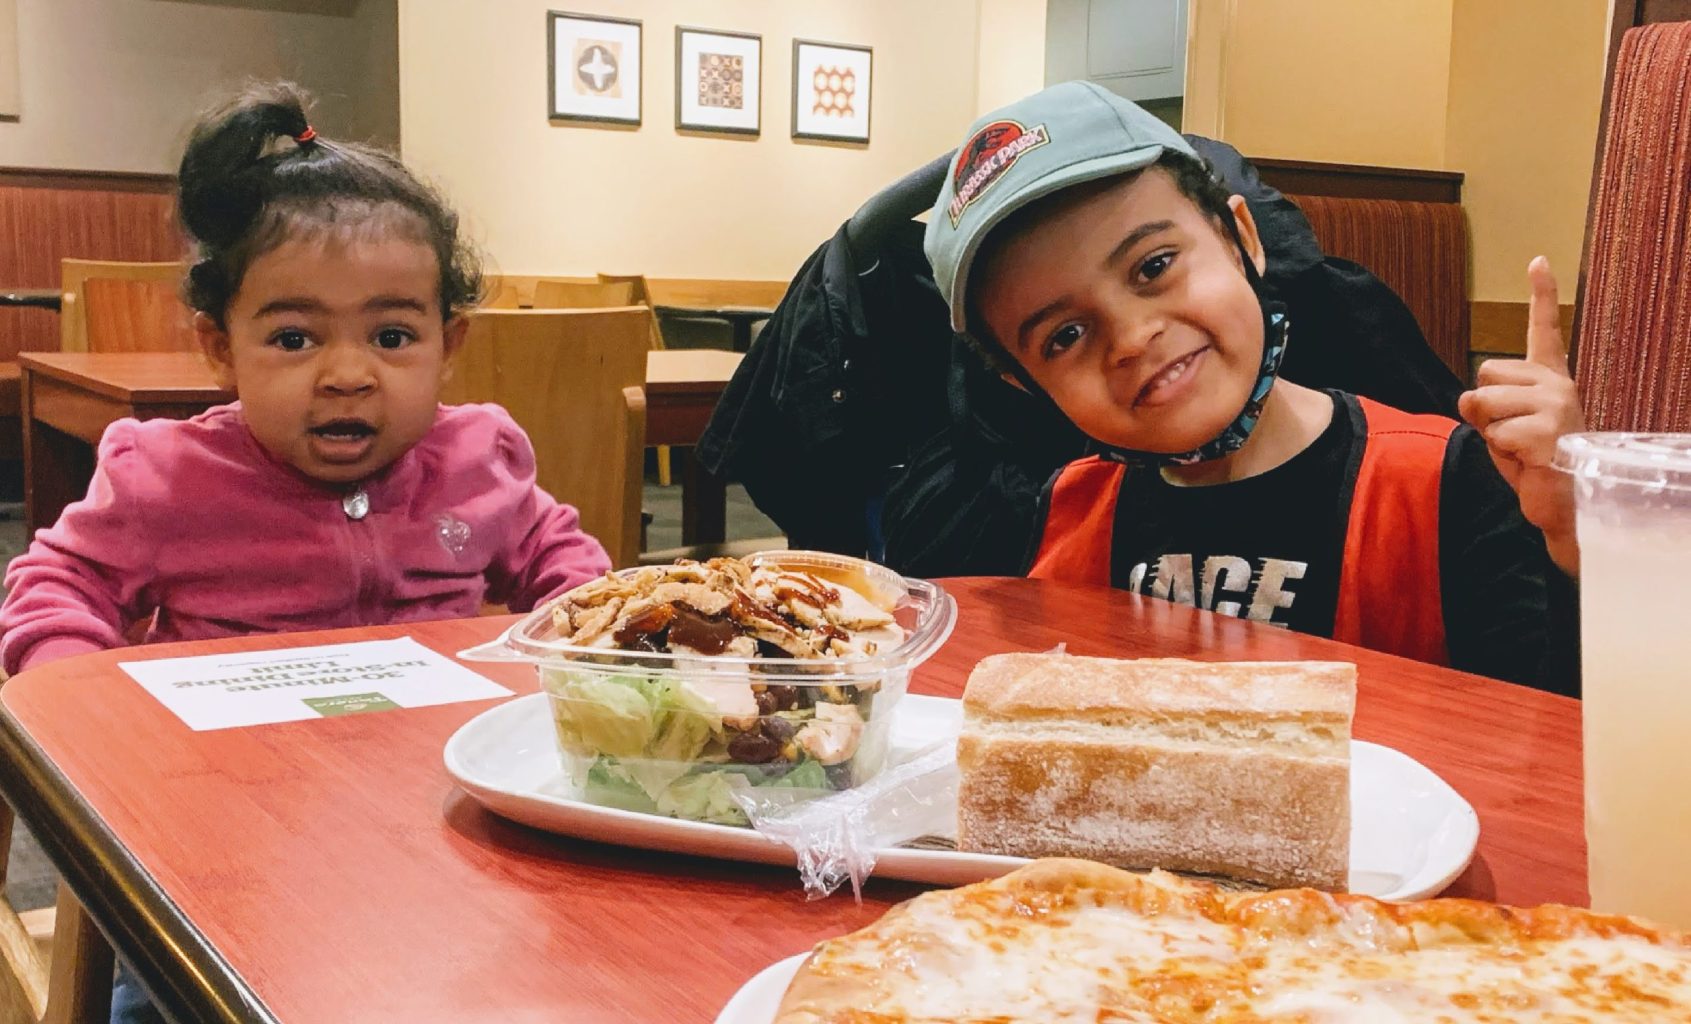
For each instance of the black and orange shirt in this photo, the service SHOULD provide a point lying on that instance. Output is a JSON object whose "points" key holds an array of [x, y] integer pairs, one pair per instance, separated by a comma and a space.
{"points": [[1391, 531]]}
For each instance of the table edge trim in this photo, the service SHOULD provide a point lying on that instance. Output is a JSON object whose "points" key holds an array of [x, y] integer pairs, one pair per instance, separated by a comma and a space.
{"points": [[181, 969]]}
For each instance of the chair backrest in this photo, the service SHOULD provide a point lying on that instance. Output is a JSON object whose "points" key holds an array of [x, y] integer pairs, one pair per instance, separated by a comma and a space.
{"points": [[643, 296], [1633, 356], [642, 290], [502, 292], [73, 277], [564, 376], [136, 316], [1420, 250], [579, 295]]}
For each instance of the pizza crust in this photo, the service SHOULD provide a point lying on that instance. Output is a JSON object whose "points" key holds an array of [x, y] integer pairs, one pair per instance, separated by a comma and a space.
{"points": [[1063, 940]]}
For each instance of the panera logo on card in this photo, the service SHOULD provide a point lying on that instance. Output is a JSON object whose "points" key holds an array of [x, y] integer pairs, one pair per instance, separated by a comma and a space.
{"points": [[992, 151], [349, 704]]}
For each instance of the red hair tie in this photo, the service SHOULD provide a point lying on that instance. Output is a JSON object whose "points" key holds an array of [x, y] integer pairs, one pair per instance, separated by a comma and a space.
{"points": [[306, 136]]}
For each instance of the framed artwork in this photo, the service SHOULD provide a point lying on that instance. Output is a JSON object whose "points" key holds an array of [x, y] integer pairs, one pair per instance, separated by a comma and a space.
{"points": [[593, 68], [718, 81], [832, 91]]}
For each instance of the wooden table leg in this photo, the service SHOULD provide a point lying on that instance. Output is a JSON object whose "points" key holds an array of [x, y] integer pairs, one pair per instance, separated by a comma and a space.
{"points": [[704, 503], [56, 466]]}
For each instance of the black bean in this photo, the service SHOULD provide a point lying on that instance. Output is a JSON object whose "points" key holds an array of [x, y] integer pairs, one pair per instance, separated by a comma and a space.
{"points": [[753, 748]]}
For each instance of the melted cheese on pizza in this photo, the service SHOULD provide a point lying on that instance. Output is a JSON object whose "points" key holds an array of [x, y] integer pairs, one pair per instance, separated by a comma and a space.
{"points": [[1164, 951]]}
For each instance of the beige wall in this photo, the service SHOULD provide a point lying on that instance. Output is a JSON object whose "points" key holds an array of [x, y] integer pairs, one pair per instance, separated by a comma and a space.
{"points": [[1460, 85], [115, 84], [553, 199], [1523, 130], [1343, 81], [1011, 52]]}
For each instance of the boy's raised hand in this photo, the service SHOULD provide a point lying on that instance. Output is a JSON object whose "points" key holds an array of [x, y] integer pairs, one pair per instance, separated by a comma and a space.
{"points": [[1521, 406]]}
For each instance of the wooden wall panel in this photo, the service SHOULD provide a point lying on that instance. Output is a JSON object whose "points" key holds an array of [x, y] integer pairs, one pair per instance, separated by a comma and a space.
{"points": [[48, 215]]}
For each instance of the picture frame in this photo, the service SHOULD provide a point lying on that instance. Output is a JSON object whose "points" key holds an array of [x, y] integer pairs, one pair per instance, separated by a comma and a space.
{"points": [[833, 91], [718, 81], [594, 68]]}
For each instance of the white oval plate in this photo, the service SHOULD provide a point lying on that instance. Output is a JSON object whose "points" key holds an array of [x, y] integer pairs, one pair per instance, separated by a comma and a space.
{"points": [[759, 998], [1411, 834]]}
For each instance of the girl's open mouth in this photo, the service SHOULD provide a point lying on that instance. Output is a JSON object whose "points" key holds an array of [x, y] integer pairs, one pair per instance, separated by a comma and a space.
{"points": [[342, 440]]}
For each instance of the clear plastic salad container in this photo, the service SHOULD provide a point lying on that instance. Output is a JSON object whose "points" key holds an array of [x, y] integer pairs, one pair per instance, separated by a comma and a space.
{"points": [[676, 733]]}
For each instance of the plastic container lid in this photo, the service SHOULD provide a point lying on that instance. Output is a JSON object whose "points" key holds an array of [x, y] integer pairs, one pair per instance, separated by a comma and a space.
{"points": [[924, 609], [1653, 462]]}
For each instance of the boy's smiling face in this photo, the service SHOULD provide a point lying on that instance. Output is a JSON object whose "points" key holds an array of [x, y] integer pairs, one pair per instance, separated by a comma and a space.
{"points": [[1128, 304]]}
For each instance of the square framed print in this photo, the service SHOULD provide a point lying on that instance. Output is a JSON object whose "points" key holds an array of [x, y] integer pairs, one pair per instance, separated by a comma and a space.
{"points": [[593, 68], [718, 81], [832, 90]]}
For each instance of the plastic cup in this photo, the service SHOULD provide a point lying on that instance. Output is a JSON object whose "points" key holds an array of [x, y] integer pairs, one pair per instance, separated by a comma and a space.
{"points": [[1633, 501]]}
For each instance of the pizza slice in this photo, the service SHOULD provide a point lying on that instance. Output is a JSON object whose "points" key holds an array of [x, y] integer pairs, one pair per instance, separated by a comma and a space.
{"points": [[1074, 941]]}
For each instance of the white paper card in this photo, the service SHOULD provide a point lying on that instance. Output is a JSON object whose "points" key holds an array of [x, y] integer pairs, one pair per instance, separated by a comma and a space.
{"points": [[220, 691]]}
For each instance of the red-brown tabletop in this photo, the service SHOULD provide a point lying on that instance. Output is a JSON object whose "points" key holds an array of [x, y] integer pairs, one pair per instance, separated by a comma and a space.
{"points": [[329, 870]]}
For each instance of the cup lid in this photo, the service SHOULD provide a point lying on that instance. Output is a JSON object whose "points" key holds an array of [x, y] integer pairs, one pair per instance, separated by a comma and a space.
{"points": [[1655, 461]]}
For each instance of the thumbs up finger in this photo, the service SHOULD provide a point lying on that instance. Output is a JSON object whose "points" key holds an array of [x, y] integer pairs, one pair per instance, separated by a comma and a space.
{"points": [[1544, 326]]}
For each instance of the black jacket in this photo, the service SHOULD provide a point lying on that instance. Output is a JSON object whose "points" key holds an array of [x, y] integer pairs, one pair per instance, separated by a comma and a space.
{"points": [[858, 418]]}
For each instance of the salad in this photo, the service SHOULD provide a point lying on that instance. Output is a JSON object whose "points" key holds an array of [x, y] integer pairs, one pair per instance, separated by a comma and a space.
{"points": [[681, 738]]}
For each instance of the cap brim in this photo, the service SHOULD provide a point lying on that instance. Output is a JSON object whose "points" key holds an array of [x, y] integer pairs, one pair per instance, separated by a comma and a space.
{"points": [[1039, 188]]}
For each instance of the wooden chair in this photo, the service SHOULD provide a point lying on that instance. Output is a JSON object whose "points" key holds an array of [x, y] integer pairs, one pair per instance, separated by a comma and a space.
{"points": [[136, 316], [501, 292], [580, 295], [57, 968], [641, 294], [1632, 356], [74, 276], [575, 381]]}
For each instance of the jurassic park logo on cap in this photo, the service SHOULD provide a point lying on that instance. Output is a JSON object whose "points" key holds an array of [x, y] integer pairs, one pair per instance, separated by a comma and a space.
{"points": [[985, 158]]}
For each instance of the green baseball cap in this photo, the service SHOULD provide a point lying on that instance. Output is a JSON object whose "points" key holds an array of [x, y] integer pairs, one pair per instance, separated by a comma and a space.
{"points": [[1061, 136]]}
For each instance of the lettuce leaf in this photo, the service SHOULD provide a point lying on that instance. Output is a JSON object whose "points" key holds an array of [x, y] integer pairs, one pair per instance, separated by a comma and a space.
{"points": [[808, 775], [707, 796]]}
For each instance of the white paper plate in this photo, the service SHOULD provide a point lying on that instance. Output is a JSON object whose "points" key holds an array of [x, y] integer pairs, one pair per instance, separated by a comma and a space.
{"points": [[1411, 834]]}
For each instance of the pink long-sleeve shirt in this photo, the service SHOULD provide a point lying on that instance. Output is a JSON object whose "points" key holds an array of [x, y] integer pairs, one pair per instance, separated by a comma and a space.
{"points": [[194, 521]]}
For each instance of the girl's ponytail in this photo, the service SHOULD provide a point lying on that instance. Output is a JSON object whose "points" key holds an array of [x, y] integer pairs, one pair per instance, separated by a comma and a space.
{"points": [[255, 174], [228, 162]]}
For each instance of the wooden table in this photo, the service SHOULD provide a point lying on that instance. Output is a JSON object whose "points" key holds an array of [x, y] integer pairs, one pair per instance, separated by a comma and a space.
{"points": [[739, 318], [69, 398], [682, 389], [329, 871]]}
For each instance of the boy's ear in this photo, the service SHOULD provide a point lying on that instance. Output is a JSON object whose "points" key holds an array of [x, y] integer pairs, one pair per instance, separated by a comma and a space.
{"points": [[214, 344], [452, 338], [1248, 233]]}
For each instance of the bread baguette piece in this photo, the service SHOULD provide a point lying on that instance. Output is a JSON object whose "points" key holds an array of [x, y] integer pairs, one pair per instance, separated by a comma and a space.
{"points": [[1240, 769]]}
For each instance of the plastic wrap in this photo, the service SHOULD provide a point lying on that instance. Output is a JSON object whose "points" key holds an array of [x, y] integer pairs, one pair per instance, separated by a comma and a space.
{"points": [[838, 837]]}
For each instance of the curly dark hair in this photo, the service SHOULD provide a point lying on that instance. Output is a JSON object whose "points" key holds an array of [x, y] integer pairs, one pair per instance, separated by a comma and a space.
{"points": [[1192, 177], [246, 186]]}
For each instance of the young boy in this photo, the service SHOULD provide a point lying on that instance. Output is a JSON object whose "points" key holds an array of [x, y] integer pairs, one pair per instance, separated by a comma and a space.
{"points": [[1084, 247]]}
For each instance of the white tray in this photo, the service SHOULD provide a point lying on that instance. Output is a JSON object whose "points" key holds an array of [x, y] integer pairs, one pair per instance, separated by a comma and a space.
{"points": [[1411, 834]]}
